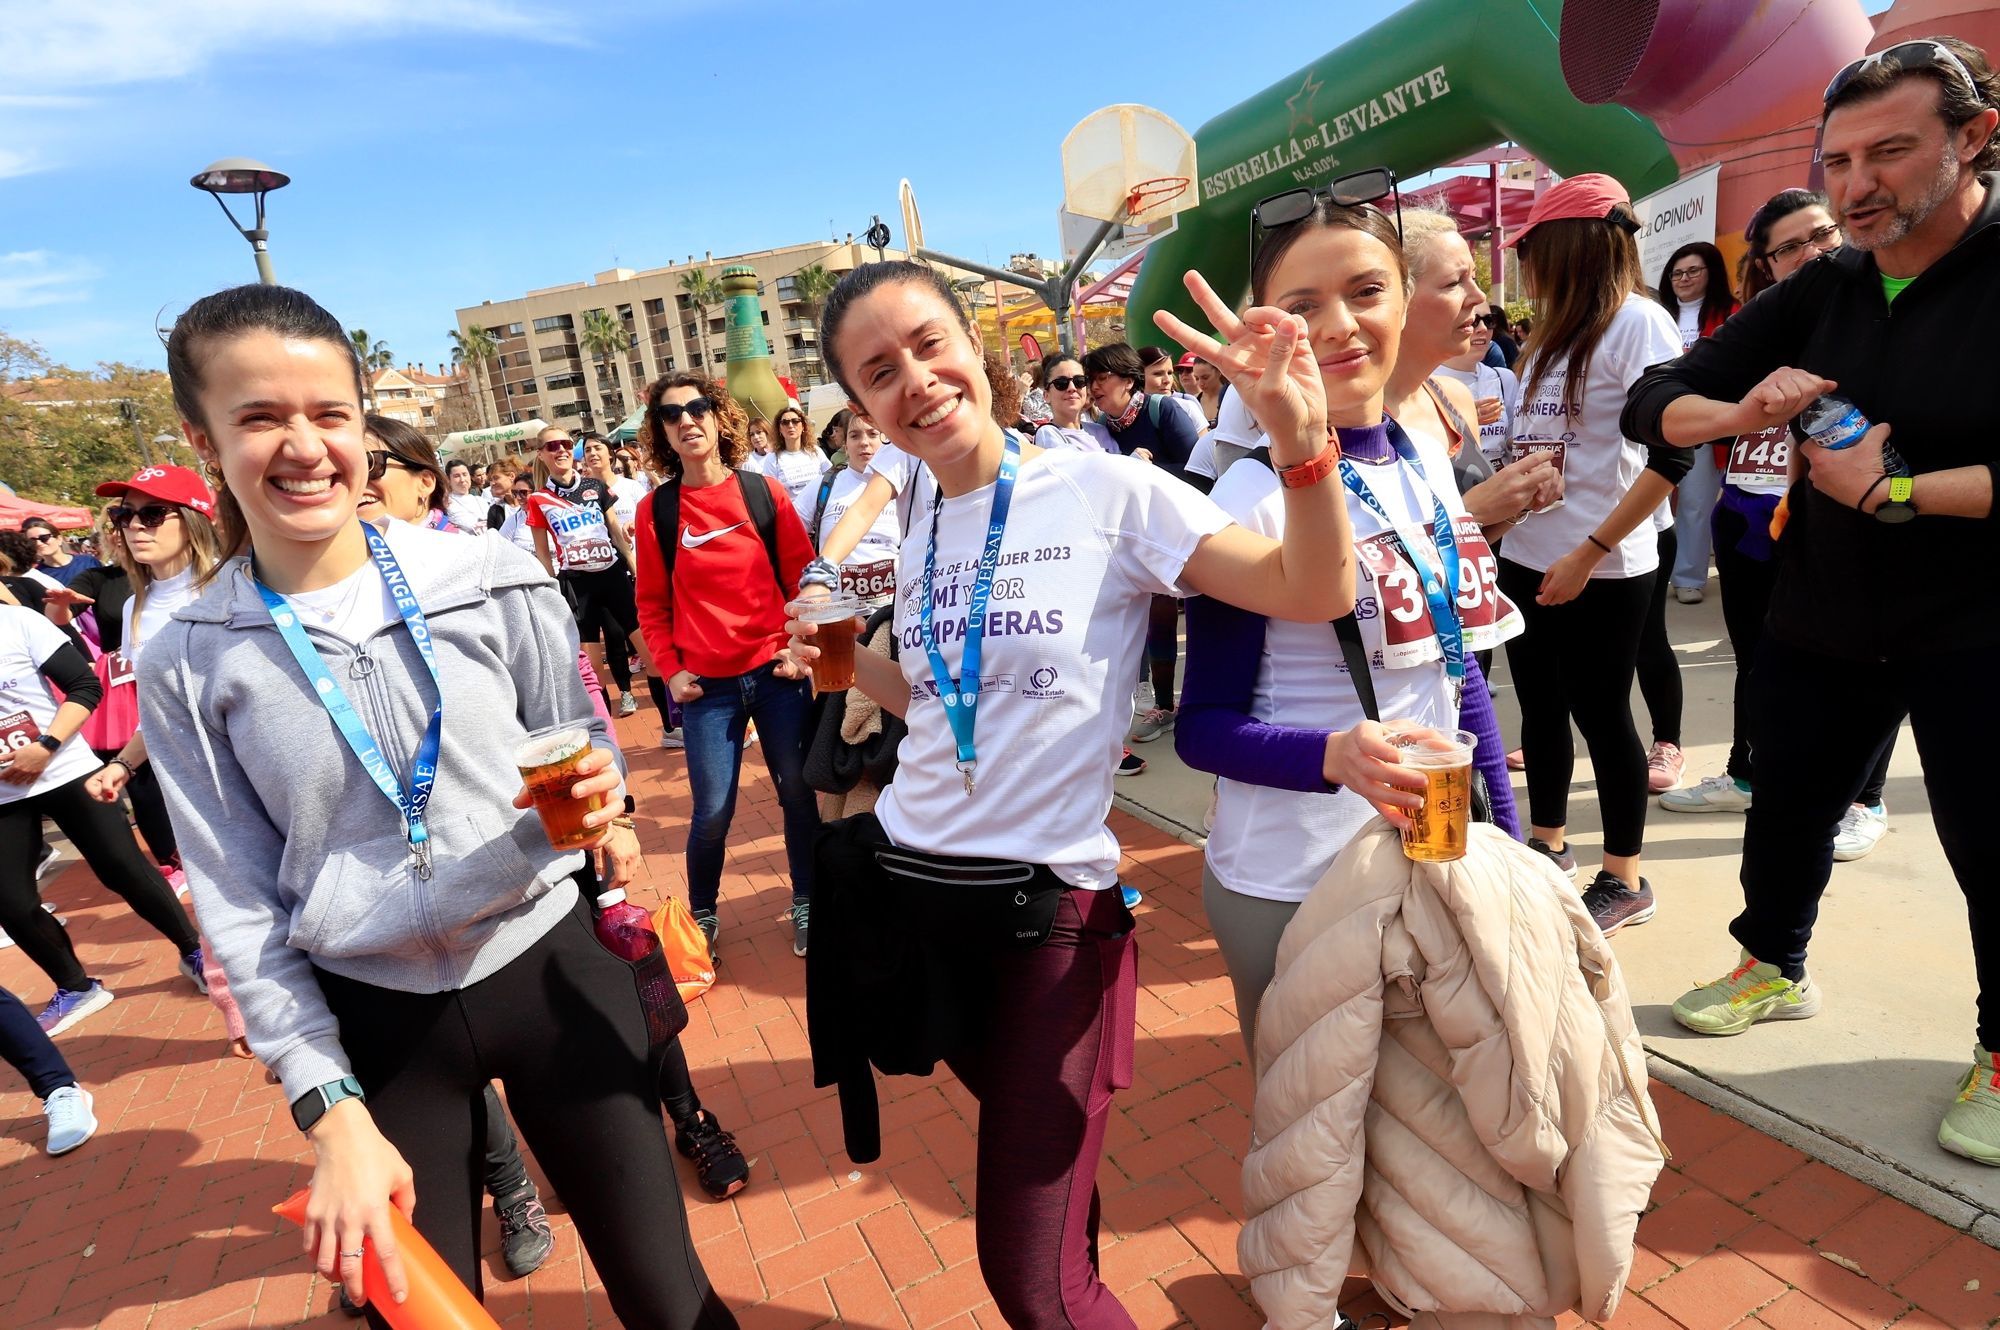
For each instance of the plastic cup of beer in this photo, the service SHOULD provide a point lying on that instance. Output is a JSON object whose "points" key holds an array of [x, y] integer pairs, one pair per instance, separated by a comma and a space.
{"points": [[1438, 830], [835, 617], [547, 762]]}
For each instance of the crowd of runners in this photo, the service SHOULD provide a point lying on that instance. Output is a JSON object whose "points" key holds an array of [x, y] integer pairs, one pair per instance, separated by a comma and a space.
{"points": [[1349, 492]]}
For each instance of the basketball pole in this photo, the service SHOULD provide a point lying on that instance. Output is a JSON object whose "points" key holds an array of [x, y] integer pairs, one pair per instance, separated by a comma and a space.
{"points": [[1056, 292]]}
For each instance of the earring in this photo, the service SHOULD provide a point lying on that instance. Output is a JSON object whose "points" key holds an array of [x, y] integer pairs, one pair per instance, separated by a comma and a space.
{"points": [[213, 472]]}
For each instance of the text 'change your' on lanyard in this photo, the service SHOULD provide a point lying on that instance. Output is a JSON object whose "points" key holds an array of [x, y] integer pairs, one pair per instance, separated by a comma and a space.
{"points": [[423, 772], [961, 696]]}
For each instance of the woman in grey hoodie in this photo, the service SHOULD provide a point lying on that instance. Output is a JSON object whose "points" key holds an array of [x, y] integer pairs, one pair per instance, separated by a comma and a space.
{"points": [[394, 923]]}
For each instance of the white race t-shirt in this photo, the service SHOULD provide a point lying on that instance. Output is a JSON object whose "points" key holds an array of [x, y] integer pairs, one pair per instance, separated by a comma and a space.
{"points": [[467, 512], [1598, 464], [352, 608], [516, 530], [1488, 381], [625, 495], [1276, 844], [27, 707], [1089, 436], [1690, 323], [1090, 540], [797, 471], [869, 570]]}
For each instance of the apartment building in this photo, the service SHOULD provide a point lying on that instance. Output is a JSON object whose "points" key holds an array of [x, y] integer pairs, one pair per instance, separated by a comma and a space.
{"points": [[544, 371]]}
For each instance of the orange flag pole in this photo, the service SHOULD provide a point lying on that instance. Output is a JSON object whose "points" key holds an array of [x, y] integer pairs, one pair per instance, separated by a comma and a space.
{"points": [[437, 1301]]}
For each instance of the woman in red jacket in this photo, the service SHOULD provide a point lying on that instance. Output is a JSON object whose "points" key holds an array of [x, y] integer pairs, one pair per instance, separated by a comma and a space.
{"points": [[714, 620]]}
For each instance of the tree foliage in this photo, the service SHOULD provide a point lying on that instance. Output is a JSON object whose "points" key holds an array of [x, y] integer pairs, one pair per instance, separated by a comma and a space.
{"points": [[64, 431]]}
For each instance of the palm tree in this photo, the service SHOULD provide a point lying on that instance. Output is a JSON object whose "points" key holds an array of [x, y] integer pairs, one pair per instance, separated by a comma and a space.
{"points": [[812, 284], [605, 337], [476, 346], [702, 291], [372, 354]]}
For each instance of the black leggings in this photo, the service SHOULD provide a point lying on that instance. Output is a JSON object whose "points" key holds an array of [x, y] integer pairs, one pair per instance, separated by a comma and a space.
{"points": [[562, 1028], [1659, 667], [1746, 586], [1163, 648], [102, 836], [1578, 659], [149, 810], [604, 604]]}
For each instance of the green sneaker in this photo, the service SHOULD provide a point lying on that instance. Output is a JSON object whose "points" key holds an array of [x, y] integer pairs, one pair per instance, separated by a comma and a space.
{"points": [[1972, 1128], [1752, 992]]}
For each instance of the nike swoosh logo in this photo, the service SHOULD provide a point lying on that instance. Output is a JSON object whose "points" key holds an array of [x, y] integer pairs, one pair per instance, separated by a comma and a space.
{"points": [[689, 540]]}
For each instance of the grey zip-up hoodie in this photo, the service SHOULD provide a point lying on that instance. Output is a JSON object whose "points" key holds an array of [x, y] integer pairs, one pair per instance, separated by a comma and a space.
{"points": [[295, 857]]}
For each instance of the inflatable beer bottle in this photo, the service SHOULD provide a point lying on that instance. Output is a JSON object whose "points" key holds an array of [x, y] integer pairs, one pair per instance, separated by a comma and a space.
{"points": [[752, 380]]}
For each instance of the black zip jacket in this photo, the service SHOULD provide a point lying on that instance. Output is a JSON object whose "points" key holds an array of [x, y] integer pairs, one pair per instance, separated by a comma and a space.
{"points": [[1850, 586]]}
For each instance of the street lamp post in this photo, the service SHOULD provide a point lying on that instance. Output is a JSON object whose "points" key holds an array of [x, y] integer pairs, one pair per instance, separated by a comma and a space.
{"points": [[165, 443], [241, 175]]}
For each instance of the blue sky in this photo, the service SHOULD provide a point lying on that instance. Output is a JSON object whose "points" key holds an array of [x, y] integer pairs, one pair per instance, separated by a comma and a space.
{"points": [[448, 151]]}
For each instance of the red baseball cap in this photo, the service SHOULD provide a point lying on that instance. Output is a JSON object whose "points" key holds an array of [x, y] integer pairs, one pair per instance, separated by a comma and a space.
{"points": [[1187, 360], [1590, 196], [168, 484]]}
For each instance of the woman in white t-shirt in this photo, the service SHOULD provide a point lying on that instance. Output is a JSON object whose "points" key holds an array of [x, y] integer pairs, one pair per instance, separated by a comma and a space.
{"points": [[1066, 388], [625, 491], [796, 462], [1583, 572], [45, 769], [868, 570], [997, 813], [1271, 708]]}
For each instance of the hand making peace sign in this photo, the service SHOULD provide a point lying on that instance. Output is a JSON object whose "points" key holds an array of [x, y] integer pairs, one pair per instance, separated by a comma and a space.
{"points": [[1266, 355]]}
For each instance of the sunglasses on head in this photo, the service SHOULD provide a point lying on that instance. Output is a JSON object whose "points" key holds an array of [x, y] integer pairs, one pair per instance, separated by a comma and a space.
{"points": [[1062, 383], [153, 516], [698, 407], [378, 463], [1908, 56], [1356, 190]]}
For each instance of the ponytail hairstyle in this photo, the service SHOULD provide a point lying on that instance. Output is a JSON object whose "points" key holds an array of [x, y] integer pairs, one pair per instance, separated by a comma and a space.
{"points": [[1000, 380], [732, 425], [239, 310]]}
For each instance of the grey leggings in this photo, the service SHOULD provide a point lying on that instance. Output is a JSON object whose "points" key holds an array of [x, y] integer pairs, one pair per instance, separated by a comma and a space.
{"points": [[1247, 929]]}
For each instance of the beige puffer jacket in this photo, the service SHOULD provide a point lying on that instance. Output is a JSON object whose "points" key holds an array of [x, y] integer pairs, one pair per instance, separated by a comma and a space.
{"points": [[1447, 1067]]}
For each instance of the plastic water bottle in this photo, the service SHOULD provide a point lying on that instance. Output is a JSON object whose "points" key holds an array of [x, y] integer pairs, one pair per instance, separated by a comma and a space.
{"points": [[627, 933], [1835, 423]]}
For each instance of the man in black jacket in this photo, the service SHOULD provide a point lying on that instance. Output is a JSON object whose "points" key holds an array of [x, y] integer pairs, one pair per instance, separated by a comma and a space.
{"points": [[1886, 596]]}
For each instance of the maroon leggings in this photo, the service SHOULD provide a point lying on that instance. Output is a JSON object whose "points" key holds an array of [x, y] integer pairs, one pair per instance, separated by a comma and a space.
{"points": [[1060, 1041]]}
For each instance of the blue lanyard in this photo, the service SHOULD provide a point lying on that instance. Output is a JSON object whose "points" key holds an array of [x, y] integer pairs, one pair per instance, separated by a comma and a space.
{"points": [[1437, 591], [423, 773], [961, 696]]}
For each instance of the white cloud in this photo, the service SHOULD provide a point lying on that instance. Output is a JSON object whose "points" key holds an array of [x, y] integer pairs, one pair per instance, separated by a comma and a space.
{"points": [[18, 161], [107, 42], [36, 277]]}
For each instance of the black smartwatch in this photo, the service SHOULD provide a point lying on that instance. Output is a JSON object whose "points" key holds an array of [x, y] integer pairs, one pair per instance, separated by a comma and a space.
{"points": [[311, 1106], [50, 742]]}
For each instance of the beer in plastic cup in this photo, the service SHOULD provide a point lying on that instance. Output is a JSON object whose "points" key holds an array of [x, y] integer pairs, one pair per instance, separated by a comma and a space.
{"points": [[1437, 831], [835, 616], [548, 762]]}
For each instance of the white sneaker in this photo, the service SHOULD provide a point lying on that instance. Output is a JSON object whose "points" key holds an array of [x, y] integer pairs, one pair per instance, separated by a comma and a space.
{"points": [[671, 740], [1714, 794], [71, 1122], [1688, 595], [1861, 830], [628, 705]]}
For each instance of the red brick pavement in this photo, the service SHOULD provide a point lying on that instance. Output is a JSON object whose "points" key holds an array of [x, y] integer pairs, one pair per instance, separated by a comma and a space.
{"points": [[162, 1221]]}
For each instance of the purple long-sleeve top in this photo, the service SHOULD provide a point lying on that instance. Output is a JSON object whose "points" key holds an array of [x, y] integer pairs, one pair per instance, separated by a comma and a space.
{"points": [[1216, 732]]}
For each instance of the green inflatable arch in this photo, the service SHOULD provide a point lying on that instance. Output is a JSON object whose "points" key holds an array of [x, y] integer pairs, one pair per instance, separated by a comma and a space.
{"points": [[1438, 80]]}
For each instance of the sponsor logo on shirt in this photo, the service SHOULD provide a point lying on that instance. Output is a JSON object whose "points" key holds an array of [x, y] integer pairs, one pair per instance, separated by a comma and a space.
{"points": [[1042, 684]]}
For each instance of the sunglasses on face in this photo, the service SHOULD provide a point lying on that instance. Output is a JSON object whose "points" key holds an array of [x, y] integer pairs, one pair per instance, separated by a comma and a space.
{"points": [[558, 446], [1819, 238], [1908, 56], [44, 537], [153, 516], [1357, 190], [1062, 383], [1486, 320], [698, 407], [522, 493], [378, 463]]}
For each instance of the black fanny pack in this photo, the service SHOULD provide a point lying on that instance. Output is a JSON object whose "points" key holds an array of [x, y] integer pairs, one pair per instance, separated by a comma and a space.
{"points": [[999, 903]]}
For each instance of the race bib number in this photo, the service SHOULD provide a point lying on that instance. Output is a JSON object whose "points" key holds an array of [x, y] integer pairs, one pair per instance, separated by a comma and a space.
{"points": [[118, 669], [17, 731], [583, 538], [1760, 463], [1403, 629], [1487, 616], [870, 581]]}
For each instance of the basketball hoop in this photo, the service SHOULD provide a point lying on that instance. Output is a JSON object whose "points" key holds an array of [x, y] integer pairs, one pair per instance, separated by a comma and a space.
{"points": [[1128, 162], [1156, 193]]}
